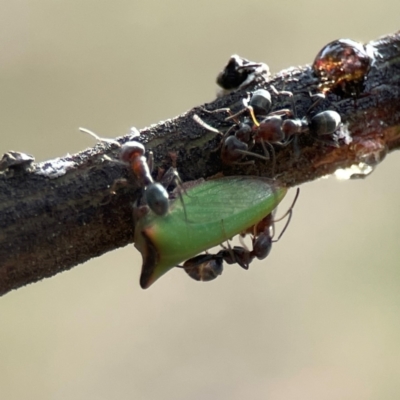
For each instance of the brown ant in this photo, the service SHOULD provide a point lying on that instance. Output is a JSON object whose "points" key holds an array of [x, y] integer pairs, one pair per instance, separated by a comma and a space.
{"points": [[132, 154]]}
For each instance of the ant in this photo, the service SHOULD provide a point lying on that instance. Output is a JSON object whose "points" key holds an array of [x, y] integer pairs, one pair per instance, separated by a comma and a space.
{"points": [[207, 267], [280, 126], [132, 154], [277, 129], [235, 147]]}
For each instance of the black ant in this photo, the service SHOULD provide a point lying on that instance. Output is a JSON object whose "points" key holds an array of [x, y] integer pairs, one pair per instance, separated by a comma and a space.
{"points": [[207, 267], [280, 126], [277, 129], [235, 147]]}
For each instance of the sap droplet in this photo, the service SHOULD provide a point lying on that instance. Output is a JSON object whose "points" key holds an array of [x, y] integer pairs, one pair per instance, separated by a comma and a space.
{"points": [[342, 67]]}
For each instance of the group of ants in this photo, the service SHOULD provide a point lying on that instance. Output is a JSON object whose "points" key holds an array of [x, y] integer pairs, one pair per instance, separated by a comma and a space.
{"points": [[260, 126]]}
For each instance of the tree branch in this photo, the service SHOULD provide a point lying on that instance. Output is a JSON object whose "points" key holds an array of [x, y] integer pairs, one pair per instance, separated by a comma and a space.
{"points": [[60, 213]]}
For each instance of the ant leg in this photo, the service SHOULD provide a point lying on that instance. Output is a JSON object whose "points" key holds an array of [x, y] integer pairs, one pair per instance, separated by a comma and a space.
{"points": [[172, 175], [328, 142], [248, 108], [237, 255], [296, 148], [242, 111], [280, 92], [241, 240], [319, 97], [228, 254], [266, 153], [118, 184], [251, 154], [288, 214], [284, 112], [226, 109], [285, 93], [291, 206], [178, 182], [273, 155], [150, 161]]}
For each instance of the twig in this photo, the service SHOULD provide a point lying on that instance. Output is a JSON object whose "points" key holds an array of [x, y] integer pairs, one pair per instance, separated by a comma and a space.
{"points": [[58, 214]]}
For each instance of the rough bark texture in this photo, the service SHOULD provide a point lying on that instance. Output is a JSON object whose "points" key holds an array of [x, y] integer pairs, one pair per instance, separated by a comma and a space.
{"points": [[58, 214]]}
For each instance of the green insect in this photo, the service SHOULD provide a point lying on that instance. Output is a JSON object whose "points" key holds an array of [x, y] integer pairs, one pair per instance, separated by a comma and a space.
{"points": [[209, 214]]}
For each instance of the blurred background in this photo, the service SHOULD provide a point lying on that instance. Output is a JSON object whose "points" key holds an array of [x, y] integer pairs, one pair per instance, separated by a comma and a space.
{"points": [[318, 319]]}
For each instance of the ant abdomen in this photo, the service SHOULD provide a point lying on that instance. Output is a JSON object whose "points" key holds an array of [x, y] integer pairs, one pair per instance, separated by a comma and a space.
{"points": [[204, 267], [325, 123], [261, 101], [156, 197]]}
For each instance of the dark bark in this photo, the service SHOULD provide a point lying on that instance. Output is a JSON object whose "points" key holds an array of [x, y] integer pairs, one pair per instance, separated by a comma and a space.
{"points": [[60, 213]]}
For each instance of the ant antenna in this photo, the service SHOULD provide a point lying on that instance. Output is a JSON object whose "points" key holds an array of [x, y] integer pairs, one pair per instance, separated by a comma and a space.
{"points": [[205, 125], [210, 128], [111, 141]]}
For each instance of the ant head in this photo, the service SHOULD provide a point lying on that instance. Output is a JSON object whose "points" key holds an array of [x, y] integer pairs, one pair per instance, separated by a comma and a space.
{"points": [[262, 245], [244, 133], [131, 149], [232, 150]]}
